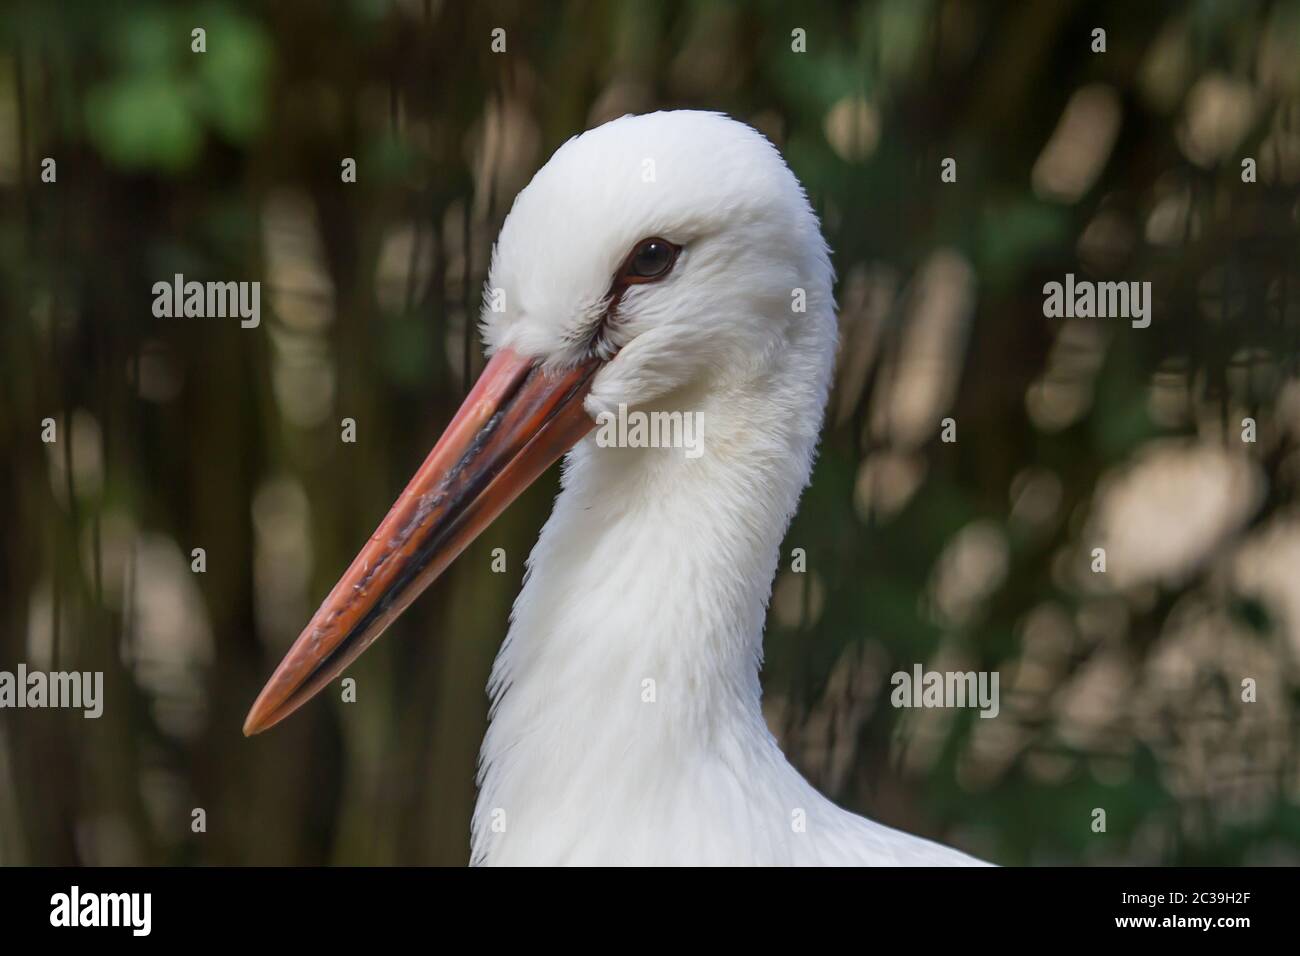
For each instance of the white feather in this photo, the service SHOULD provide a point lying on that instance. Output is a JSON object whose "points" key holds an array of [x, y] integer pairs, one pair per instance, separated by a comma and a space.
{"points": [[655, 566]]}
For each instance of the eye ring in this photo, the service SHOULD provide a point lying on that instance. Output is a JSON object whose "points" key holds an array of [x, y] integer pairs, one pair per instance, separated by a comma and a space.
{"points": [[649, 261]]}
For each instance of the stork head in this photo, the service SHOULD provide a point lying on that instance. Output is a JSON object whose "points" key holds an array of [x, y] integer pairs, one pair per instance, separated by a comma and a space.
{"points": [[682, 229], [651, 255]]}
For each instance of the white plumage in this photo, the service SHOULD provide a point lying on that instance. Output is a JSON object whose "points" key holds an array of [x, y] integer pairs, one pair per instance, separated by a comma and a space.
{"points": [[655, 567]]}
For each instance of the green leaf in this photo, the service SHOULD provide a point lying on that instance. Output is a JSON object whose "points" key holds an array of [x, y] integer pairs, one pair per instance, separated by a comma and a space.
{"points": [[139, 122]]}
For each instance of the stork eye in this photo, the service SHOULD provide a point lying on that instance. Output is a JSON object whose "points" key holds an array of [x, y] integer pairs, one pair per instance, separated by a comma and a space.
{"points": [[650, 260]]}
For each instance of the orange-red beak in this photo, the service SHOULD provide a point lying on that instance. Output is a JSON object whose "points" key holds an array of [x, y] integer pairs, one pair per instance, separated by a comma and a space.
{"points": [[518, 419]]}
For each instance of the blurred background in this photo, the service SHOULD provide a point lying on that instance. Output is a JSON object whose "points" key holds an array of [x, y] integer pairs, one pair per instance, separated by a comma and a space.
{"points": [[1120, 690]]}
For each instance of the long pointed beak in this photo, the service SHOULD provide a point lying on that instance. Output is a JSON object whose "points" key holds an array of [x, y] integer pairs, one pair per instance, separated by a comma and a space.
{"points": [[515, 423]]}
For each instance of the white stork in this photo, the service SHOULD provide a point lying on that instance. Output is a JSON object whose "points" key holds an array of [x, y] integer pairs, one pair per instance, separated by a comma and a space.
{"points": [[655, 262]]}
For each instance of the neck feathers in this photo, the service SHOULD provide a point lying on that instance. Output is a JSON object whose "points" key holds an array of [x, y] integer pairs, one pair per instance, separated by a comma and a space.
{"points": [[631, 665]]}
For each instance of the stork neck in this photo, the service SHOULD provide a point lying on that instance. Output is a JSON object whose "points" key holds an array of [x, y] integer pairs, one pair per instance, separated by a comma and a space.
{"points": [[657, 563], [634, 649], [650, 581]]}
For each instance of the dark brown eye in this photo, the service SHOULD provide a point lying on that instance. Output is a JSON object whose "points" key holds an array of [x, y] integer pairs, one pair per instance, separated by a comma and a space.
{"points": [[651, 259]]}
